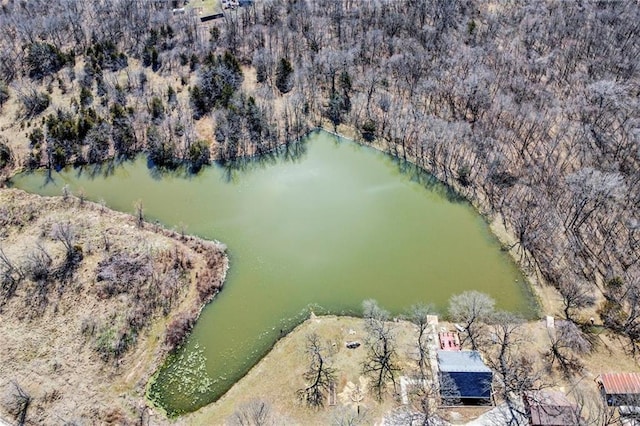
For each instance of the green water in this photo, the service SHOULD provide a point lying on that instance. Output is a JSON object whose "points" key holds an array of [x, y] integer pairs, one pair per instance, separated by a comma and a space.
{"points": [[323, 226]]}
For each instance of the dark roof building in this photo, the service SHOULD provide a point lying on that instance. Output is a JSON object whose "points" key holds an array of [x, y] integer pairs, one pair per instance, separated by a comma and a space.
{"points": [[550, 408], [620, 388], [464, 378]]}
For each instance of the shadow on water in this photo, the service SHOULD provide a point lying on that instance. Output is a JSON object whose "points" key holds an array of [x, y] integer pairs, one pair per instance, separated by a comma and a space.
{"points": [[233, 169], [90, 171], [427, 180], [289, 153], [181, 171], [49, 179], [413, 171], [99, 170]]}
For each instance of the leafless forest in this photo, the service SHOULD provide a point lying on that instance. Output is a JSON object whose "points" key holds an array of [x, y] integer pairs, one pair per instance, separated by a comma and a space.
{"points": [[529, 110]]}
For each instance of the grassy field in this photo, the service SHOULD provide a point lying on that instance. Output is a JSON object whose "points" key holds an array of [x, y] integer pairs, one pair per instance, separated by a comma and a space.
{"points": [[209, 7]]}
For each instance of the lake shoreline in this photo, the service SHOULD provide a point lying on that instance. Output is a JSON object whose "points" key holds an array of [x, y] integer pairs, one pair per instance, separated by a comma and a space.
{"points": [[380, 149], [540, 290]]}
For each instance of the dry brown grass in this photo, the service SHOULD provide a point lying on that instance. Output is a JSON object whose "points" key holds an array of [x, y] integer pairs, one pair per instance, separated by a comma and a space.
{"points": [[277, 377], [53, 355], [12, 129]]}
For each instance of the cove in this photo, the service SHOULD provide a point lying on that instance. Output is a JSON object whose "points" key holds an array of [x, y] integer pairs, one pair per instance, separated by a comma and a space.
{"points": [[321, 226]]}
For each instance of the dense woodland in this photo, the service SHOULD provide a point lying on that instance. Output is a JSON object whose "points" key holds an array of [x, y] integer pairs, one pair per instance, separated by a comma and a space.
{"points": [[529, 110]]}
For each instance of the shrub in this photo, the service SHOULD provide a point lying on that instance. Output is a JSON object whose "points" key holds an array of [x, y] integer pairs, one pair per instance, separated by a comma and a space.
{"points": [[284, 76], [219, 78], [156, 108], [86, 97], [44, 59], [369, 130], [4, 93], [198, 155], [179, 329], [464, 175], [104, 55], [34, 103], [161, 149], [6, 158], [122, 271]]}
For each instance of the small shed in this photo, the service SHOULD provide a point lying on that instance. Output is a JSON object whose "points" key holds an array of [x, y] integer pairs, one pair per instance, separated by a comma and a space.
{"points": [[620, 388], [550, 408], [464, 377]]}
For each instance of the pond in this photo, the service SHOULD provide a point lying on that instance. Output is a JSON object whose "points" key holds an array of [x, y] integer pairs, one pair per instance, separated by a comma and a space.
{"points": [[321, 226]]}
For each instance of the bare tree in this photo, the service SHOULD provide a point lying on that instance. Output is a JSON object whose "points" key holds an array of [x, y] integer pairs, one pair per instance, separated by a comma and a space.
{"points": [[10, 278], [567, 343], [591, 190], [4, 93], [7, 158], [373, 314], [420, 413], [66, 192], [621, 309], [66, 234], [139, 213], [38, 263], [591, 408], [38, 269], [22, 400], [418, 315], [33, 102], [472, 309], [253, 413], [515, 369], [426, 395], [560, 122], [576, 295], [380, 363], [319, 376], [448, 392]]}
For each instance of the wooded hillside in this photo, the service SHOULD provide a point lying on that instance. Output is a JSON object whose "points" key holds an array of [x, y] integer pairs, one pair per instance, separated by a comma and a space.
{"points": [[529, 110]]}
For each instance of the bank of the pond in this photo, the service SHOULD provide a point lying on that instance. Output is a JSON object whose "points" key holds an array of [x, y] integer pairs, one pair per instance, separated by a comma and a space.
{"points": [[275, 379], [131, 284]]}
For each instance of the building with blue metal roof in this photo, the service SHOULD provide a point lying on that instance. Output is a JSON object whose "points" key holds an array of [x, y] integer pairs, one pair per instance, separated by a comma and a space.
{"points": [[464, 378]]}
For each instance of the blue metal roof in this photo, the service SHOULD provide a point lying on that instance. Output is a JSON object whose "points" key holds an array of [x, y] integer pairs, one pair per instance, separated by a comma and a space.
{"points": [[471, 377]]}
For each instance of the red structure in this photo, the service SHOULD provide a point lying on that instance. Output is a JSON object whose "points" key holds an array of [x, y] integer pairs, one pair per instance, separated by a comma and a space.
{"points": [[620, 388], [449, 341]]}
